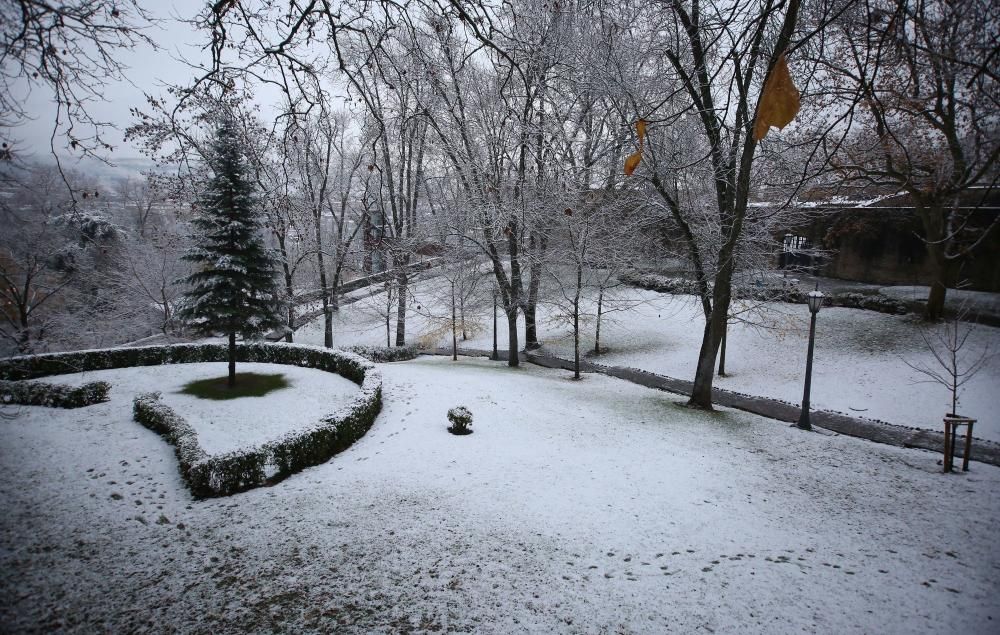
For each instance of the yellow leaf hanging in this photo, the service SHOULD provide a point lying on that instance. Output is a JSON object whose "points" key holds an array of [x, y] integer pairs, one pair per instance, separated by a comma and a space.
{"points": [[779, 102], [632, 162]]}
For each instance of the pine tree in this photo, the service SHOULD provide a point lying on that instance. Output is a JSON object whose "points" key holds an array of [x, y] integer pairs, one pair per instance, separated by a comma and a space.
{"points": [[233, 290]]}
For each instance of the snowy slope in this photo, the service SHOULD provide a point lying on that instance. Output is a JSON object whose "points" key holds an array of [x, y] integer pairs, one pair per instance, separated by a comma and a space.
{"points": [[860, 363], [576, 507]]}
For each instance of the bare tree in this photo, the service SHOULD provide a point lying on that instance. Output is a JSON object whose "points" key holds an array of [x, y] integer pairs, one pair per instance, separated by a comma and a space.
{"points": [[72, 50], [718, 58], [954, 364], [925, 120]]}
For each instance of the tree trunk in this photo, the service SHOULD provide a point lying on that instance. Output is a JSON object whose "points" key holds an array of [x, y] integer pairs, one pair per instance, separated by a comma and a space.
{"points": [[327, 323], [715, 328], [324, 288], [597, 331], [512, 359], [530, 307], [722, 353], [166, 310], [401, 287], [232, 360], [454, 326], [289, 286], [940, 279], [932, 216], [495, 356], [461, 315], [530, 328], [576, 322]]}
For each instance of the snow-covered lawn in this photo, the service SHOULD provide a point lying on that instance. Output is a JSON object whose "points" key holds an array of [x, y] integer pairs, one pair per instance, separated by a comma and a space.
{"points": [[859, 368], [223, 426], [593, 506], [860, 365]]}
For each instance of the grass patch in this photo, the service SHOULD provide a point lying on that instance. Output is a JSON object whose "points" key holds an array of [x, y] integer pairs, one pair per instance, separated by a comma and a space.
{"points": [[247, 385]]}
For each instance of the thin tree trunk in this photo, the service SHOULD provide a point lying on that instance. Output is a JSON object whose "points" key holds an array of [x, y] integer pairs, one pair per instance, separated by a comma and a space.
{"points": [[454, 326], [289, 286], [722, 353], [495, 355], [325, 290], [576, 322], [232, 360], [461, 315], [597, 331], [401, 289], [166, 310]]}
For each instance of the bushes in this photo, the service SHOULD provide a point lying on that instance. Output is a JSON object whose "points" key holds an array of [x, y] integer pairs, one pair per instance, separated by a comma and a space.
{"points": [[461, 420], [25, 393], [789, 294], [381, 354], [663, 284], [34, 366], [221, 475], [240, 470]]}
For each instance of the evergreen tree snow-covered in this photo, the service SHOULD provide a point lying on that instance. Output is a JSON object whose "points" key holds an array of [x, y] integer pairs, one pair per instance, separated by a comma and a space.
{"points": [[233, 289]]}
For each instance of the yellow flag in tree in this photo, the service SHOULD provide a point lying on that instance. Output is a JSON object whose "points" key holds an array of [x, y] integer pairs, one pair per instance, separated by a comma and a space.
{"points": [[779, 102], [632, 162]]}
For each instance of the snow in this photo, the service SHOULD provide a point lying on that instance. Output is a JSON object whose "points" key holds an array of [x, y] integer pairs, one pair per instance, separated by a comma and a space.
{"points": [[227, 425], [955, 299], [860, 366], [592, 506]]}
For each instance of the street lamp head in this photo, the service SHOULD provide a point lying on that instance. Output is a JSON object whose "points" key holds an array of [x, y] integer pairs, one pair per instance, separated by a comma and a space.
{"points": [[815, 299]]}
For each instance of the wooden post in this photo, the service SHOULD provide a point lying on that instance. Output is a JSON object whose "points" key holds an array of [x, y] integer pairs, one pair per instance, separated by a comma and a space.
{"points": [[947, 445], [951, 440]]}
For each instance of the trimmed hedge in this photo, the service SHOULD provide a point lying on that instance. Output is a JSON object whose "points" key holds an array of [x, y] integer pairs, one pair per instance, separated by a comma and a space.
{"points": [[26, 393], [225, 474], [381, 354], [789, 294]]}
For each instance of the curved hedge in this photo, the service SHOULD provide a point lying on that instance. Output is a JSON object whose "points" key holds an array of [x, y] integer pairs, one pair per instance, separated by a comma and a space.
{"points": [[243, 469], [24, 393]]}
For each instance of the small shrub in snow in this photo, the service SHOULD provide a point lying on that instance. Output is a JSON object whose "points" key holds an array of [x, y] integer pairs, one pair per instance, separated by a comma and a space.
{"points": [[461, 420], [26, 393], [382, 354]]}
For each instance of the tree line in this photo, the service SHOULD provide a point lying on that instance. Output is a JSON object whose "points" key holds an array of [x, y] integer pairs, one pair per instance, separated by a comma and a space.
{"points": [[497, 133]]}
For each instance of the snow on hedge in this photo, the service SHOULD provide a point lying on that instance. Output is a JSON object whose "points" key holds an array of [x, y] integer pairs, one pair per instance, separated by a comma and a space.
{"points": [[244, 468], [25, 393]]}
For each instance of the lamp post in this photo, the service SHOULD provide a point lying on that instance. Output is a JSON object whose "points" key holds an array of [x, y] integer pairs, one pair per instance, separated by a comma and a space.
{"points": [[815, 302]]}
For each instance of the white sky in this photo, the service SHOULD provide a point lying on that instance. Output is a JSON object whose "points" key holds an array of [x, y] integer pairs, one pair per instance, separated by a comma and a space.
{"points": [[148, 71]]}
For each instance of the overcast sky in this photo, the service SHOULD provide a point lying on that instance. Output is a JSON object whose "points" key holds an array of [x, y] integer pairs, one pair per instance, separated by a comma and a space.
{"points": [[148, 71]]}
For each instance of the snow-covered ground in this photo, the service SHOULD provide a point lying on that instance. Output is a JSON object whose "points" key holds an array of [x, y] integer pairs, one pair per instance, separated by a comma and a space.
{"points": [[860, 363], [578, 507], [223, 426]]}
